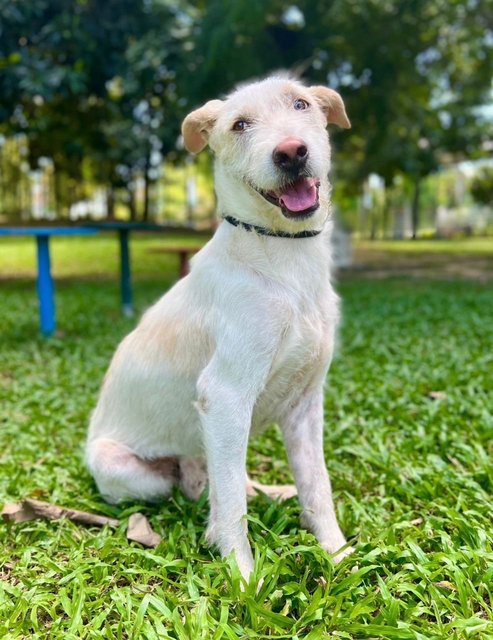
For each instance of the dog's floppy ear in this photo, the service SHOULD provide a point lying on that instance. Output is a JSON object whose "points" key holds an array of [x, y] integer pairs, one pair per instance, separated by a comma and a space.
{"points": [[198, 124], [332, 105]]}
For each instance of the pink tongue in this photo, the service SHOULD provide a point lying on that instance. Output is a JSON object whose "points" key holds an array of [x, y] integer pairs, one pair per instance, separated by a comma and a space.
{"points": [[301, 195]]}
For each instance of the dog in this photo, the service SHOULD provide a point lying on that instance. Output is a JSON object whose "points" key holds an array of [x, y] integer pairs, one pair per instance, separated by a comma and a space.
{"points": [[244, 340]]}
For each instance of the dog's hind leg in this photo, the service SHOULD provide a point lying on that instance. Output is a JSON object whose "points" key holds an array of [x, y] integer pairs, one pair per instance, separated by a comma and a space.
{"points": [[303, 434], [120, 474], [193, 477]]}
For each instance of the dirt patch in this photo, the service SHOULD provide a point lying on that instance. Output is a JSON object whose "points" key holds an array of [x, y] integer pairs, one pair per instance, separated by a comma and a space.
{"points": [[377, 264]]}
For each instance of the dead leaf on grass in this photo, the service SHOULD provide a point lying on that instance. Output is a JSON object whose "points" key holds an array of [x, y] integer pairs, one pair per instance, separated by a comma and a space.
{"points": [[139, 530], [437, 395], [30, 509], [445, 584], [13, 512]]}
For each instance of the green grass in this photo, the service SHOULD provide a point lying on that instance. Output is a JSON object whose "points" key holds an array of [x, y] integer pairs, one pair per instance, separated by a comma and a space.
{"points": [[471, 246], [412, 476], [94, 257]]}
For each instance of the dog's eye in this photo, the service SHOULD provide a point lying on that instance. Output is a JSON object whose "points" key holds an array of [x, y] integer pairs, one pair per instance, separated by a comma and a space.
{"points": [[300, 104], [240, 125]]}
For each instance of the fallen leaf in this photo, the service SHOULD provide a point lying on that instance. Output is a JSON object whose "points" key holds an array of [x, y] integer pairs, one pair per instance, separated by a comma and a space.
{"points": [[139, 530], [30, 509], [322, 581], [437, 395], [13, 512], [446, 585], [455, 462], [275, 492]]}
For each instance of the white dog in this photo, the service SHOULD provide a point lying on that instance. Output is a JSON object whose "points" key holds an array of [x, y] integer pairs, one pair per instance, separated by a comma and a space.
{"points": [[246, 338]]}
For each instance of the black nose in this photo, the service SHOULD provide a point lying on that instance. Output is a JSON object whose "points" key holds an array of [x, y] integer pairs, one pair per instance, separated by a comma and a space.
{"points": [[291, 154]]}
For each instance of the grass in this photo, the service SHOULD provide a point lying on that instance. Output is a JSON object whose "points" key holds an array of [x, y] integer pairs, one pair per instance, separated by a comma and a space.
{"points": [[412, 476], [473, 246], [94, 257]]}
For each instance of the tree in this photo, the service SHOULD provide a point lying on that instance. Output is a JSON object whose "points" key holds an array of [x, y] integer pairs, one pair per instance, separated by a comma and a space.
{"points": [[482, 187], [85, 79], [413, 74], [101, 87]]}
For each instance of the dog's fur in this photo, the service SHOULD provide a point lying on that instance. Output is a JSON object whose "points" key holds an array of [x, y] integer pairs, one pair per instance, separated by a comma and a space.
{"points": [[243, 341]]}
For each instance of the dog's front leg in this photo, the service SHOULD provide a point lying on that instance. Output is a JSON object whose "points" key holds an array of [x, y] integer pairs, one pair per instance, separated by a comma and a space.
{"points": [[226, 420], [303, 433], [228, 389]]}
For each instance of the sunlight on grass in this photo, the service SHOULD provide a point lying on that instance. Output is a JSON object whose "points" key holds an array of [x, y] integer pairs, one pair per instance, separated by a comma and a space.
{"points": [[95, 256]]}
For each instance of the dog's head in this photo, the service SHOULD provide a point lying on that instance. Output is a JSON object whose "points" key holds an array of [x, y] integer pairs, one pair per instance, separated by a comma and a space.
{"points": [[272, 150]]}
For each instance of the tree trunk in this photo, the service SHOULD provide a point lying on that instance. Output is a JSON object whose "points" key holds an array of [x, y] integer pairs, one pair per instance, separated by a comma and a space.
{"points": [[57, 191], [110, 203], [373, 224], [385, 213], [28, 209], [131, 203], [415, 211], [145, 213]]}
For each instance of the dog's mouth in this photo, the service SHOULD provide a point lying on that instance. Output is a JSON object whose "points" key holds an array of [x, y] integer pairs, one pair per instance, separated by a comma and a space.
{"points": [[298, 199]]}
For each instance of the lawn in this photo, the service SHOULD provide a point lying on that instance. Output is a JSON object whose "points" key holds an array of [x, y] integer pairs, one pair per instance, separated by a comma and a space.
{"points": [[456, 246], [411, 468]]}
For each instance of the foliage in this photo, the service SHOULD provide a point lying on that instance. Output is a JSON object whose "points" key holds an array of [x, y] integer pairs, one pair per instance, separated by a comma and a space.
{"points": [[14, 180], [107, 84], [482, 187], [412, 477], [89, 80], [412, 73]]}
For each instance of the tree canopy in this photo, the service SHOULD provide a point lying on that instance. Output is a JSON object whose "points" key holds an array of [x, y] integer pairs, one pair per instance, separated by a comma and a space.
{"points": [[100, 88]]}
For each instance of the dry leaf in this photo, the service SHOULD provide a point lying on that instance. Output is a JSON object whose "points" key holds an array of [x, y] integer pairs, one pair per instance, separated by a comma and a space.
{"points": [[455, 462], [417, 521], [12, 512], [30, 509], [437, 395], [322, 581], [446, 585], [139, 530], [279, 492]]}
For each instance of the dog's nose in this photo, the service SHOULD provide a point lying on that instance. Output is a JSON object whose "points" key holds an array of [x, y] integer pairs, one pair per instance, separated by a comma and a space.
{"points": [[291, 153]]}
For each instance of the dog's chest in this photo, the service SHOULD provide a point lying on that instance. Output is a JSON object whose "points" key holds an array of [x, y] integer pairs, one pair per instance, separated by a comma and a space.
{"points": [[302, 358]]}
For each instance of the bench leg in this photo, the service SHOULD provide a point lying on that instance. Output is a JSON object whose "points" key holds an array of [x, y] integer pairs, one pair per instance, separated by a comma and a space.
{"points": [[125, 275], [46, 287]]}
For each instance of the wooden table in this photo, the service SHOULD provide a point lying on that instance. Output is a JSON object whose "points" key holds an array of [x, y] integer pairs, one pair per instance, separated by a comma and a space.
{"points": [[183, 253]]}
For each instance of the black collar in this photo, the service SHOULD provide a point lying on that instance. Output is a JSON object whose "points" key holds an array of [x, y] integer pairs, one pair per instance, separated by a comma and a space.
{"points": [[268, 232]]}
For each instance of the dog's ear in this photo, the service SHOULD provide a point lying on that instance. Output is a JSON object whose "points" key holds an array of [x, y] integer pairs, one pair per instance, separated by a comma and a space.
{"points": [[198, 124], [332, 105]]}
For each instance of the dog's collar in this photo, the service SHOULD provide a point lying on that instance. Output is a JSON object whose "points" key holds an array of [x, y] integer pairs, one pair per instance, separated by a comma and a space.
{"points": [[262, 231]]}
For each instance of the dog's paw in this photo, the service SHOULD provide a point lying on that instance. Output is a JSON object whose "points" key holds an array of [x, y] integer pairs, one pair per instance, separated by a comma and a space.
{"points": [[338, 552], [340, 555]]}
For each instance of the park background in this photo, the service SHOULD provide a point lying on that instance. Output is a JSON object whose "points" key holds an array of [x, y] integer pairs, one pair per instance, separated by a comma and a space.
{"points": [[92, 95]]}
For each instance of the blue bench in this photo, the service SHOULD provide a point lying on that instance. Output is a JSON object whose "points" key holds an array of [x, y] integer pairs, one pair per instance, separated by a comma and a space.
{"points": [[45, 283]]}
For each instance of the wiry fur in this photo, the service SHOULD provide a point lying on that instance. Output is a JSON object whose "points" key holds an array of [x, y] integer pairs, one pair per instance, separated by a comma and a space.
{"points": [[243, 341]]}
